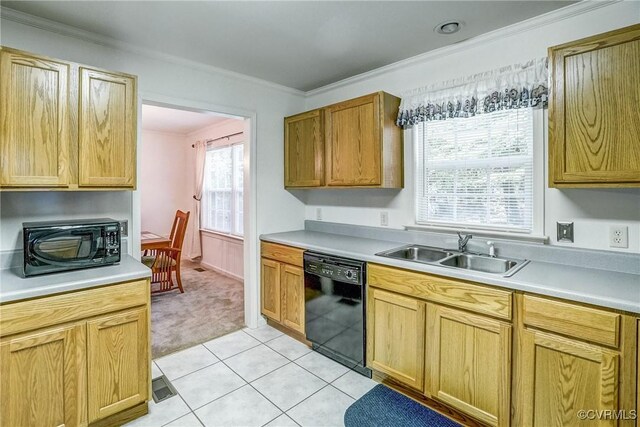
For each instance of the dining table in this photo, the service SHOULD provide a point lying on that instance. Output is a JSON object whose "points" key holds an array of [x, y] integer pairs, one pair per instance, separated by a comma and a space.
{"points": [[150, 241]]}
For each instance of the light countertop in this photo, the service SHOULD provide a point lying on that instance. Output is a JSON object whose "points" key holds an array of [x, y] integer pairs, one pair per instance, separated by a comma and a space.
{"points": [[588, 285], [15, 287]]}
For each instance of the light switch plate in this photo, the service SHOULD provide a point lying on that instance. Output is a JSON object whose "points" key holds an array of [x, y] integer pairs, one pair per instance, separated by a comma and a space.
{"points": [[565, 231], [124, 228]]}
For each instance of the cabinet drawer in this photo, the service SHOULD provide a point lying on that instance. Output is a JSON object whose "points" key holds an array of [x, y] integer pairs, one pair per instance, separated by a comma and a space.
{"points": [[589, 324], [282, 253], [42, 312], [477, 298]]}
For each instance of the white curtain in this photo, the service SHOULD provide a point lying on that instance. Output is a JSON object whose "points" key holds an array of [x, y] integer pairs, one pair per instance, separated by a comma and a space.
{"points": [[201, 154], [515, 86]]}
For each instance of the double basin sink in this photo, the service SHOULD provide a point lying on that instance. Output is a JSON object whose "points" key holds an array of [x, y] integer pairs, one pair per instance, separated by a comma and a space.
{"points": [[450, 258]]}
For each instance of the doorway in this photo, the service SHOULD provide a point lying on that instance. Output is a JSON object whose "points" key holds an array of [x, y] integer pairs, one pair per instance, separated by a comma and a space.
{"points": [[175, 143]]}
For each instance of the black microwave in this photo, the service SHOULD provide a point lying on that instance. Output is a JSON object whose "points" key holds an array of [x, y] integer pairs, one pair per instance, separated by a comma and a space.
{"points": [[55, 246]]}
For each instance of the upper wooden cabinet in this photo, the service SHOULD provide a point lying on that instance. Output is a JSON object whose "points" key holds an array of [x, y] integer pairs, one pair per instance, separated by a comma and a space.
{"points": [[594, 121], [65, 126], [354, 143], [107, 129], [303, 149], [34, 113]]}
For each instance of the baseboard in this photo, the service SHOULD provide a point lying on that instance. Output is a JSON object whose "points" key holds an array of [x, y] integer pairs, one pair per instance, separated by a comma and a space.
{"points": [[122, 417], [221, 271]]}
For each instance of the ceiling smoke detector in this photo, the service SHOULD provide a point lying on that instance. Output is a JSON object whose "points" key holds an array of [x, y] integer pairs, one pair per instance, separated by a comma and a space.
{"points": [[448, 27]]}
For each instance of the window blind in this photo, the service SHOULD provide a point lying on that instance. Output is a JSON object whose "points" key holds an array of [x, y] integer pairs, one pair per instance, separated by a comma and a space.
{"points": [[477, 172], [223, 190]]}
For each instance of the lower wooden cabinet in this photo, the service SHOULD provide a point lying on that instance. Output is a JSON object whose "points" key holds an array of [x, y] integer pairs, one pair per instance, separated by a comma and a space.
{"points": [[270, 296], [77, 358], [468, 363], [561, 376], [541, 367], [282, 286], [43, 377], [292, 288], [117, 355], [395, 336]]}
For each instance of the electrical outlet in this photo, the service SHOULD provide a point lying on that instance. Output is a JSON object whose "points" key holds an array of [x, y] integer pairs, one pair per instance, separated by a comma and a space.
{"points": [[618, 236], [124, 228], [319, 214], [384, 218]]}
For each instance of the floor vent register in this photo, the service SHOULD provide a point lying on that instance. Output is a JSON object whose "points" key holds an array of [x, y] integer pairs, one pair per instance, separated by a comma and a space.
{"points": [[162, 389]]}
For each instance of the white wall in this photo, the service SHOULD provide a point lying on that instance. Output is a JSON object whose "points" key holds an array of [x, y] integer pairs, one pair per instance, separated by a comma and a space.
{"points": [[162, 77], [164, 182], [219, 252], [591, 210]]}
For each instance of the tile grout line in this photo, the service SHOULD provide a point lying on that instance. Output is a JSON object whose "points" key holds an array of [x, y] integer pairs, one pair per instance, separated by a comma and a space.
{"points": [[183, 401]]}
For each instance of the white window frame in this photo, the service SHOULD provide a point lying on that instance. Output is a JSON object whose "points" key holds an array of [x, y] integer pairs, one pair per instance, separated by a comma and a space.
{"points": [[537, 232], [234, 193]]}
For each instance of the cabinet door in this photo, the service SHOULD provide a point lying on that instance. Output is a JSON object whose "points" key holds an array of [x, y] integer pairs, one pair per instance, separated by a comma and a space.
{"points": [[395, 336], [468, 363], [118, 362], [34, 112], [353, 142], [303, 150], [43, 378], [292, 283], [107, 129], [561, 377], [594, 119], [270, 297]]}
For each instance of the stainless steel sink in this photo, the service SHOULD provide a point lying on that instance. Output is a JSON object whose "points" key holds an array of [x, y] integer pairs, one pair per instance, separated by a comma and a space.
{"points": [[417, 253], [482, 263], [454, 259]]}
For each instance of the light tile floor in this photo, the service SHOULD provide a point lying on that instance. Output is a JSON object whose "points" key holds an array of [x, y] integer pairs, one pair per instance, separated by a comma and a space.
{"points": [[254, 377]]}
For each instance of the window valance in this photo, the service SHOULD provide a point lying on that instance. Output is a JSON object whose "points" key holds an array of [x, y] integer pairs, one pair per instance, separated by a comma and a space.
{"points": [[514, 86]]}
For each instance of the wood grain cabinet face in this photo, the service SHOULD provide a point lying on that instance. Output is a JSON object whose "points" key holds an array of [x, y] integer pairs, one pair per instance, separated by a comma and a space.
{"points": [[594, 116], [43, 378], [561, 376], [117, 355], [107, 129], [34, 113], [468, 363], [395, 336], [270, 289], [303, 145], [354, 142], [292, 288]]}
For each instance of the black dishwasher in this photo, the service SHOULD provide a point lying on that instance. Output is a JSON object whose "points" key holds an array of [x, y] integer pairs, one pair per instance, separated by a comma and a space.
{"points": [[335, 308]]}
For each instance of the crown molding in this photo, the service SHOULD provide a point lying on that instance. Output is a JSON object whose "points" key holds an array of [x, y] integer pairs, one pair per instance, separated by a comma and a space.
{"points": [[88, 36], [519, 27]]}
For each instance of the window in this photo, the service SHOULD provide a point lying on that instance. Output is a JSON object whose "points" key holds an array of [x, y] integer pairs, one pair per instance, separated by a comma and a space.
{"points": [[223, 189], [478, 172]]}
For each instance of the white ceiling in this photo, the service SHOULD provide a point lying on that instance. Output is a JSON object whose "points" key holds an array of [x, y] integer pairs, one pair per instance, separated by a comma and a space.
{"points": [[163, 119], [299, 44]]}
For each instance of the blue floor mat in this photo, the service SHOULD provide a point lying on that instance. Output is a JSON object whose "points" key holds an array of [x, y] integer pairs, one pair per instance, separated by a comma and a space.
{"points": [[384, 407]]}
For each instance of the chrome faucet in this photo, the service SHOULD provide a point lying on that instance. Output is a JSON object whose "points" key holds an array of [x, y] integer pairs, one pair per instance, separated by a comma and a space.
{"points": [[462, 241]]}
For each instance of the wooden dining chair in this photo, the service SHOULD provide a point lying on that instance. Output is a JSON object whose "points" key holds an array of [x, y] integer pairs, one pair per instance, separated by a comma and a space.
{"points": [[165, 261]]}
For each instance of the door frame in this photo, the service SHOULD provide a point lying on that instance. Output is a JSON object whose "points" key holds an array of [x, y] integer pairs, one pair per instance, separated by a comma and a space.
{"points": [[251, 260]]}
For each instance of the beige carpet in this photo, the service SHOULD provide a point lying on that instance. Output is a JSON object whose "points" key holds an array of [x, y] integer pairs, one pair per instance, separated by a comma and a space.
{"points": [[212, 305]]}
